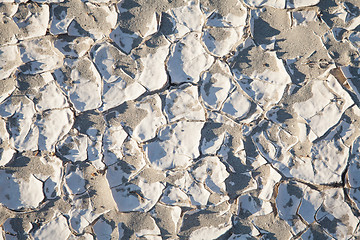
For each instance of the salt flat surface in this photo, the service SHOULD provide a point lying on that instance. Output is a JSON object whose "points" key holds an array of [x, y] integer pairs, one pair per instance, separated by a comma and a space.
{"points": [[187, 119]]}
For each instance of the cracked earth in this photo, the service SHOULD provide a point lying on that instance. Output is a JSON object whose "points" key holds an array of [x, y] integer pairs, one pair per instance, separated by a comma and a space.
{"points": [[185, 119]]}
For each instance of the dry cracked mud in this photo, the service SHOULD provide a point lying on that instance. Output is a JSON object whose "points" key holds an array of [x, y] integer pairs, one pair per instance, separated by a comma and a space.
{"points": [[179, 119]]}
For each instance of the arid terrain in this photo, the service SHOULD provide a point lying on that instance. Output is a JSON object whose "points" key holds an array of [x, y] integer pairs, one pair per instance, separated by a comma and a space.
{"points": [[179, 119]]}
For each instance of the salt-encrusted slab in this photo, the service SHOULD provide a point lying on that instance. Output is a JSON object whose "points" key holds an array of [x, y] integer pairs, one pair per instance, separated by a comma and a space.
{"points": [[81, 82], [183, 119], [220, 41], [138, 195], [9, 60], [183, 20], [73, 46], [216, 83], [32, 20], [39, 55], [183, 103], [20, 193], [164, 152], [326, 106], [188, 59], [152, 56], [82, 19], [58, 227], [260, 73]]}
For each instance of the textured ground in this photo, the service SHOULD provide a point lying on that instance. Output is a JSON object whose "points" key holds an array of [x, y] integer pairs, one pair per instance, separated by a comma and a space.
{"points": [[179, 119]]}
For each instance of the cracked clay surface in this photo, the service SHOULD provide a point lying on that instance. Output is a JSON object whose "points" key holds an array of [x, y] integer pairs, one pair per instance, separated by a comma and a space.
{"points": [[183, 119]]}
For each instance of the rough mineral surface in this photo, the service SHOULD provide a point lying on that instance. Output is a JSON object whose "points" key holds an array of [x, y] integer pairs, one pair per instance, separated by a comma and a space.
{"points": [[179, 119]]}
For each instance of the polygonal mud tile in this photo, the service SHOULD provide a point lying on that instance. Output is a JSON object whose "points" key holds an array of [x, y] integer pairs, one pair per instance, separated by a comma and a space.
{"points": [[73, 147], [50, 97], [103, 229], [8, 8], [118, 92], [288, 201], [32, 20], [241, 237], [330, 158], [220, 41], [82, 19], [167, 218], [16, 228], [53, 125], [315, 232], [73, 46], [304, 17], [174, 196], [281, 3], [231, 14], [6, 152], [17, 193], [9, 60], [23, 136], [198, 194], [125, 39], [238, 105], [82, 214], [177, 22], [324, 108], [152, 56], [183, 103], [112, 63], [183, 182], [140, 197], [270, 3], [133, 155], [56, 227], [149, 117], [176, 145], [354, 165], [119, 73], [212, 146], [8, 29], [309, 205], [354, 38], [335, 215], [253, 206], [85, 236], [216, 84], [153, 120], [81, 82], [212, 172], [138, 225], [260, 73], [208, 232], [324, 165], [188, 59], [272, 227], [300, 3], [45, 168], [39, 55], [205, 224], [74, 180], [119, 173], [130, 31], [266, 177], [30, 85], [7, 88], [113, 140]]}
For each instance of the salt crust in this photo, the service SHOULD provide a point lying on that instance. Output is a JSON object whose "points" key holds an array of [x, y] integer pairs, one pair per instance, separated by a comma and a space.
{"points": [[192, 122]]}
